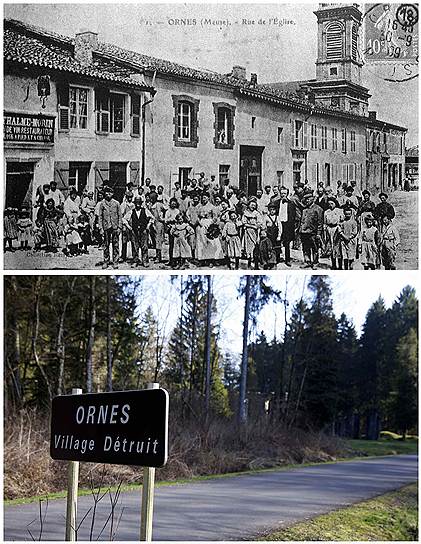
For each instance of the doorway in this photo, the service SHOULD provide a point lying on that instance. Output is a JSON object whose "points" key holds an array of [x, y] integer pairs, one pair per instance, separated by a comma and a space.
{"points": [[19, 179], [118, 179], [250, 169]]}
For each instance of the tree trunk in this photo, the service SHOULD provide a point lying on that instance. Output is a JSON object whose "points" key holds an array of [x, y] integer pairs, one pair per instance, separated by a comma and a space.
{"points": [[35, 331], [60, 346], [109, 339], [208, 346], [242, 408], [13, 347], [91, 334]]}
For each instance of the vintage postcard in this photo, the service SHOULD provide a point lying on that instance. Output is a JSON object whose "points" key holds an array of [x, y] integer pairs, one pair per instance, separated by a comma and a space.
{"points": [[195, 136]]}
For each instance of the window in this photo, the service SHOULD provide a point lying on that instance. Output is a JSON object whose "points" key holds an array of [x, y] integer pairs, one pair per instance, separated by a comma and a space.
{"points": [[300, 134], [334, 71], [343, 140], [280, 176], [334, 102], [78, 104], [183, 175], [313, 136], [354, 42], [253, 122], [185, 121], [102, 99], [118, 179], [298, 138], [224, 125], [352, 172], [334, 41], [324, 137], [78, 175], [353, 146], [280, 135], [135, 114], [335, 139], [117, 113], [223, 173]]}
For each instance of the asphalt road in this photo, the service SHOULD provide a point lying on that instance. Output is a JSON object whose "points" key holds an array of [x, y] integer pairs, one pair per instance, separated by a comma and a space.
{"points": [[228, 508]]}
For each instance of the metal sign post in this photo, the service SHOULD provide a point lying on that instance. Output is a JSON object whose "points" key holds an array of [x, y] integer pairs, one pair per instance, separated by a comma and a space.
{"points": [[148, 487], [72, 488]]}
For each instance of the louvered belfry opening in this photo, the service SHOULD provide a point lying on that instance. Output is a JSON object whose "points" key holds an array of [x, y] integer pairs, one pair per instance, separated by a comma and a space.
{"points": [[334, 41]]}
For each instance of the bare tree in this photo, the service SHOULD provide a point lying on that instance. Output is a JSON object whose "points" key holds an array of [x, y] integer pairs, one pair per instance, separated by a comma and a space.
{"points": [[60, 345], [208, 345], [242, 411], [35, 332], [91, 332], [109, 339]]}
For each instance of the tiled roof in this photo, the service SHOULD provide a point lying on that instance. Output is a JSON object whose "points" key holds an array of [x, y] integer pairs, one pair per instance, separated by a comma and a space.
{"points": [[57, 54], [33, 45]]}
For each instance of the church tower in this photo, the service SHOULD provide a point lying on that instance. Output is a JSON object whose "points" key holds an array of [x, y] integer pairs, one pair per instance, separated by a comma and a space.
{"points": [[339, 62]]}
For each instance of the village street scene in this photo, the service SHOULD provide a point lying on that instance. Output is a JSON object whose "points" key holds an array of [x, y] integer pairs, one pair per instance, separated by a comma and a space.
{"points": [[120, 160]]}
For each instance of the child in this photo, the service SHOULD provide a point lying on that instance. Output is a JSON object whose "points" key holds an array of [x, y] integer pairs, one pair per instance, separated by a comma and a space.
{"points": [[83, 227], [10, 228], [231, 236], [72, 237], [181, 231], [332, 219], [271, 223], [348, 231], [368, 244], [265, 254], [389, 242], [24, 229]]}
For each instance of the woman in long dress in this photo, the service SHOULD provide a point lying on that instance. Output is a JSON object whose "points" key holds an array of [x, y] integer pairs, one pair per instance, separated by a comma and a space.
{"points": [[231, 237], [332, 219], [181, 231], [208, 249], [252, 221], [49, 216]]}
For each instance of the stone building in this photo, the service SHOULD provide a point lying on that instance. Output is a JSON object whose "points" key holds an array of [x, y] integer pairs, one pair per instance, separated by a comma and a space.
{"points": [[122, 115], [70, 114]]}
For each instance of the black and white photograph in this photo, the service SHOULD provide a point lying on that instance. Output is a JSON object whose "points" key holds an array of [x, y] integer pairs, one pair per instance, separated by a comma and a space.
{"points": [[211, 136]]}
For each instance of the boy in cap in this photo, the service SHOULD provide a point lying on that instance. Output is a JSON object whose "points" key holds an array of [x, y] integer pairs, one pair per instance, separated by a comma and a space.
{"points": [[110, 223]]}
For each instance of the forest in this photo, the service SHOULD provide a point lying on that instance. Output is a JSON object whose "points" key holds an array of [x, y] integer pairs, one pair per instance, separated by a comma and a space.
{"points": [[288, 397]]}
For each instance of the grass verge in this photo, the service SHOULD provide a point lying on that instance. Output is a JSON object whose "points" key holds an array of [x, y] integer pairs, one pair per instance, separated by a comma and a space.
{"points": [[389, 517], [355, 448], [383, 446]]}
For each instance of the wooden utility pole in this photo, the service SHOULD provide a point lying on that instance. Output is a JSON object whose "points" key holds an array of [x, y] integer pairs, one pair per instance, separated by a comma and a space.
{"points": [[148, 487], [242, 408], [72, 489]]}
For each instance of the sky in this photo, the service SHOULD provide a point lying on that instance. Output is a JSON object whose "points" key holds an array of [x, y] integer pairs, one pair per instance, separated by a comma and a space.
{"points": [[282, 49], [353, 293]]}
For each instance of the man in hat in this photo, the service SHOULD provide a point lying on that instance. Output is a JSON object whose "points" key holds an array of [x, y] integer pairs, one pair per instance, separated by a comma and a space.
{"points": [[383, 209], [311, 230], [286, 219], [141, 221], [110, 223]]}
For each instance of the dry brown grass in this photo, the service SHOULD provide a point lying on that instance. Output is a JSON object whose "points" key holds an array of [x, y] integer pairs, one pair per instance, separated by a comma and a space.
{"points": [[216, 448]]}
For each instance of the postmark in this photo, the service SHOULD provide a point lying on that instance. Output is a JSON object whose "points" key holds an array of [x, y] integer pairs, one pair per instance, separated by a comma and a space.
{"points": [[391, 39]]}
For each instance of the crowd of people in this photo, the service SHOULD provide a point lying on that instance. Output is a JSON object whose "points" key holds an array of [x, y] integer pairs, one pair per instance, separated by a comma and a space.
{"points": [[207, 224]]}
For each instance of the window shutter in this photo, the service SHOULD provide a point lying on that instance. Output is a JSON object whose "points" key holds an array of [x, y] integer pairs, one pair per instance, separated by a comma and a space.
{"points": [[102, 174], [63, 106], [61, 174], [305, 137], [315, 173], [134, 172], [291, 125], [135, 104], [344, 173]]}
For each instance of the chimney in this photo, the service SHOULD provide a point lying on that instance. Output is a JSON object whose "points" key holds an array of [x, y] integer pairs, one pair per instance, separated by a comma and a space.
{"points": [[253, 79], [239, 72], [86, 42], [372, 115]]}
